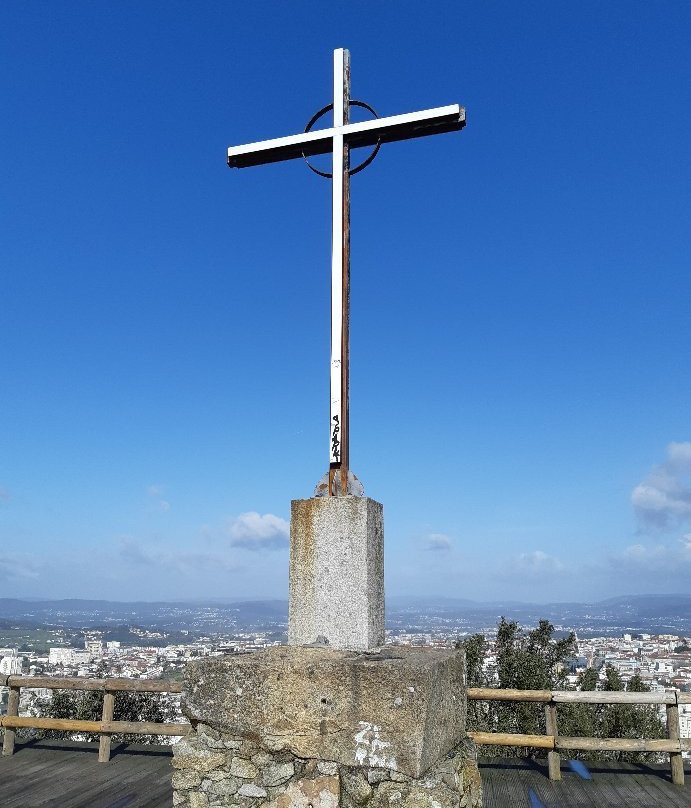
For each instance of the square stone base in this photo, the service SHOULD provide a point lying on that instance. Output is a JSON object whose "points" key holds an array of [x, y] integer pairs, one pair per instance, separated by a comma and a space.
{"points": [[336, 572], [400, 709]]}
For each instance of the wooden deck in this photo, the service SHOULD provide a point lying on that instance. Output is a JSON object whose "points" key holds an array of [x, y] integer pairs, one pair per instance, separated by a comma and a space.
{"points": [[519, 783], [63, 774]]}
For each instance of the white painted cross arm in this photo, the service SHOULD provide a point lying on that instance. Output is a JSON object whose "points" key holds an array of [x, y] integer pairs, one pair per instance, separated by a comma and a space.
{"points": [[367, 133]]}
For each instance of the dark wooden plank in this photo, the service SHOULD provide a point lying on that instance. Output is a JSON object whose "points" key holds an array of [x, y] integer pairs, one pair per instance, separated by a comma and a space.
{"points": [[507, 784], [61, 774], [659, 788]]}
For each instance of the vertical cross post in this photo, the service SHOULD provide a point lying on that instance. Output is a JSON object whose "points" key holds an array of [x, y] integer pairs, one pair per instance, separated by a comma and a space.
{"points": [[106, 717], [676, 761], [553, 759], [12, 710], [340, 277]]}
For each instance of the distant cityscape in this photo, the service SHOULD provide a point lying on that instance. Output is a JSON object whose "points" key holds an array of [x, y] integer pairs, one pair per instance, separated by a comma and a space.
{"points": [[155, 641]]}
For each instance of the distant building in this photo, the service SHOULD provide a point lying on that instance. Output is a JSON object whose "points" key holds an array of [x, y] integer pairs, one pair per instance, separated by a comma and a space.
{"points": [[81, 658], [10, 665], [5, 652], [60, 656], [93, 647]]}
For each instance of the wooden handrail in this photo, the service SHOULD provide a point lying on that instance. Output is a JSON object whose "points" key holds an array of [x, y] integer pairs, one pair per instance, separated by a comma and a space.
{"points": [[106, 727], [507, 694], [581, 743], [673, 744], [78, 725], [619, 744], [513, 739], [80, 683], [576, 696]]}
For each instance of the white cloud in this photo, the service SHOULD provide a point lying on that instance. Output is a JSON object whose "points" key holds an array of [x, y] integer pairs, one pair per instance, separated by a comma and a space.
{"points": [[679, 457], [673, 558], [529, 567], [133, 552], [437, 542], [14, 567], [136, 554], [663, 499], [155, 494], [255, 531], [537, 563]]}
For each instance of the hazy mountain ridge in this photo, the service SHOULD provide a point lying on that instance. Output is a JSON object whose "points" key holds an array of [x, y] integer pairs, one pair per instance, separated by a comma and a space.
{"points": [[640, 613]]}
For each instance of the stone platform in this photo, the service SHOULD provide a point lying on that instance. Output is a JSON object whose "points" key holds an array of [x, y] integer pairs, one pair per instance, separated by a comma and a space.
{"points": [[293, 727]]}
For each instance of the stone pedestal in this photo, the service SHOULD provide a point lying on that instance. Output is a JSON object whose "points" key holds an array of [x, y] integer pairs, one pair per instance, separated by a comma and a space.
{"points": [[294, 727], [336, 572]]}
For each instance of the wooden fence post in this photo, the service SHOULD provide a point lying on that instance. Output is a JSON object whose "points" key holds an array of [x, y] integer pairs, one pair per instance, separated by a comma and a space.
{"points": [[106, 718], [12, 709], [553, 758], [676, 761]]}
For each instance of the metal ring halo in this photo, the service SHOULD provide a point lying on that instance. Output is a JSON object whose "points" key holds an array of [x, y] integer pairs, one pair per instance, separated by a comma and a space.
{"points": [[364, 163]]}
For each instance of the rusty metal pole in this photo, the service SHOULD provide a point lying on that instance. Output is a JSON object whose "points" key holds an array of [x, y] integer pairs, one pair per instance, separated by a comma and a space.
{"points": [[345, 335], [339, 438]]}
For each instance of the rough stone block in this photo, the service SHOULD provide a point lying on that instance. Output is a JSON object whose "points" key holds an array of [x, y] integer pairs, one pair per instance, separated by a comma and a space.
{"points": [[319, 792], [239, 767], [356, 786], [223, 788], [336, 572], [189, 756], [251, 790], [186, 779], [276, 773], [399, 709]]}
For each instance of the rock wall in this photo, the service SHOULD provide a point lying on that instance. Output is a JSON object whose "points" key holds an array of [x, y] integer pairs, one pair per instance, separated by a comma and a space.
{"points": [[213, 769]]}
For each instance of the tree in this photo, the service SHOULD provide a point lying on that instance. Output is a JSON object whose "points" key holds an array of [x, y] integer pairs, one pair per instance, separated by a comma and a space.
{"points": [[533, 660], [87, 705], [587, 679], [536, 660], [628, 720], [580, 719], [475, 648]]}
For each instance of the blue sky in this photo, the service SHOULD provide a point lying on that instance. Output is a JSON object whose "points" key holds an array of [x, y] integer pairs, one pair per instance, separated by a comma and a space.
{"points": [[521, 372]]}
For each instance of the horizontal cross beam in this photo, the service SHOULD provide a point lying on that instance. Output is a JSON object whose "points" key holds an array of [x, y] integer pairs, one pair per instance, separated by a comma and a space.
{"points": [[367, 133]]}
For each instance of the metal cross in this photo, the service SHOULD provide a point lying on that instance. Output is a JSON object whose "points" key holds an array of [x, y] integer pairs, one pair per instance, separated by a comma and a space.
{"points": [[340, 139]]}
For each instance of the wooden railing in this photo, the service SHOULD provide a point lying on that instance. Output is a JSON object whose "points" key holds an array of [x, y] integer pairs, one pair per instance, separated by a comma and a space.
{"points": [[105, 728], [674, 744]]}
